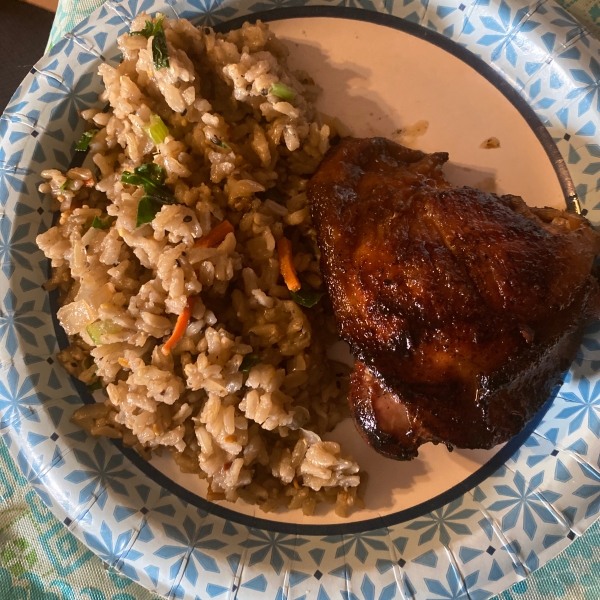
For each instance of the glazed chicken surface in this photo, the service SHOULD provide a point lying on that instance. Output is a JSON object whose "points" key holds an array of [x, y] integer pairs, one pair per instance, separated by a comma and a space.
{"points": [[461, 308]]}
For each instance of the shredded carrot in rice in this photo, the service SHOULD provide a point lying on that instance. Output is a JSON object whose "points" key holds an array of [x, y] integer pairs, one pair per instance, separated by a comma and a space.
{"points": [[180, 326], [286, 265], [215, 236]]}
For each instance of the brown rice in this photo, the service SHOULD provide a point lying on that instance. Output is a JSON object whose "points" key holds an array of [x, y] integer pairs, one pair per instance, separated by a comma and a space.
{"points": [[234, 151]]}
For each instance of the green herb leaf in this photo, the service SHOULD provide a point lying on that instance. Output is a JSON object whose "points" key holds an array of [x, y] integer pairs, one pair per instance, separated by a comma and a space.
{"points": [[147, 31], [131, 178], [282, 91], [103, 223], [153, 172], [96, 385], [307, 296], [64, 185], [160, 52], [218, 142], [84, 143], [250, 360], [147, 209], [151, 177], [157, 131]]}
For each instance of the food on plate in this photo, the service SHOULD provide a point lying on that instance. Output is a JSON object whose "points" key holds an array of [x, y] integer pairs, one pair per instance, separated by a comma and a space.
{"points": [[187, 272], [188, 261], [462, 308]]}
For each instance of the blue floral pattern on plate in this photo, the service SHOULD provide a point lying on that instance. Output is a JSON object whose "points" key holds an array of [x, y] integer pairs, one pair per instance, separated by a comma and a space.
{"points": [[477, 545]]}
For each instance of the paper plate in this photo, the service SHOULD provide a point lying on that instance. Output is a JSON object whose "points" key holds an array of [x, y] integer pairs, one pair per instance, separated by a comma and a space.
{"points": [[459, 525]]}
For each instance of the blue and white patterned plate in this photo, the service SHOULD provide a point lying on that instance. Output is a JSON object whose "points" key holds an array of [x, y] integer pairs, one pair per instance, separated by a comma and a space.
{"points": [[537, 495]]}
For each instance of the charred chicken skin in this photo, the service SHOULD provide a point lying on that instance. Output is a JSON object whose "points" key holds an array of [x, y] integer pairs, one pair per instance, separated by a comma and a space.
{"points": [[462, 308]]}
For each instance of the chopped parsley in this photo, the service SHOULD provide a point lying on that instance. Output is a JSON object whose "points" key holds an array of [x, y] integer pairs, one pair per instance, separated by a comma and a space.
{"points": [[160, 52], [84, 143], [218, 142], [250, 360], [151, 177], [103, 222], [307, 296]]}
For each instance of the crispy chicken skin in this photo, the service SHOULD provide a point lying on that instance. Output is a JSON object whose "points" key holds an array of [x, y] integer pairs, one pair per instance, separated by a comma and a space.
{"points": [[462, 308]]}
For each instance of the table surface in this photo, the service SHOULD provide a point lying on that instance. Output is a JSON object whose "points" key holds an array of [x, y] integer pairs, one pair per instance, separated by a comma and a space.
{"points": [[41, 560]]}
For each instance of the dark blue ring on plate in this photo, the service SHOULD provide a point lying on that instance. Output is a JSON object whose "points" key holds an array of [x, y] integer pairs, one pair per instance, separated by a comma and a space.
{"points": [[513, 445]]}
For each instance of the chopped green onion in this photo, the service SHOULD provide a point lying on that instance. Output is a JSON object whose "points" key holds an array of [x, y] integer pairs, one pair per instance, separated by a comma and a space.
{"points": [[282, 91], [100, 223], [96, 385], [157, 131], [65, 184], [250, 360], [306, 296], [84, 143], [99, 328]]}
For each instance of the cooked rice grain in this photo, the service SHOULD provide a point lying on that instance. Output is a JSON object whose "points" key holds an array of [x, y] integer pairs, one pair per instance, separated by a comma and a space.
{"points": [[234, 151]]}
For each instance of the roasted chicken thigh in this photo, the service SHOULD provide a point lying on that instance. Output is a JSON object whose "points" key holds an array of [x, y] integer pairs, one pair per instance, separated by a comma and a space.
{"points": [[462, 308]]}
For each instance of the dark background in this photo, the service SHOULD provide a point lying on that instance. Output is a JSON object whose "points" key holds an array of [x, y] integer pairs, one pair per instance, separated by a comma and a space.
{"points": [[24, 31]]}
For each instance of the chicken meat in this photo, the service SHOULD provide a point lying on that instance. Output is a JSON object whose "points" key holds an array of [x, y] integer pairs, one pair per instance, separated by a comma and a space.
{"points": [[462, 308]]}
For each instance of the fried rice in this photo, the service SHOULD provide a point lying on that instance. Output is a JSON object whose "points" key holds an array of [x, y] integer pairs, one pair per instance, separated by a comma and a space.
{"points": [[189, 326]]}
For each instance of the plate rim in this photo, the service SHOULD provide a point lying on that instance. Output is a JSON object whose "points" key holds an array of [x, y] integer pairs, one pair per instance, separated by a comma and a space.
{"points": [[484, 471], [126, 561]]}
